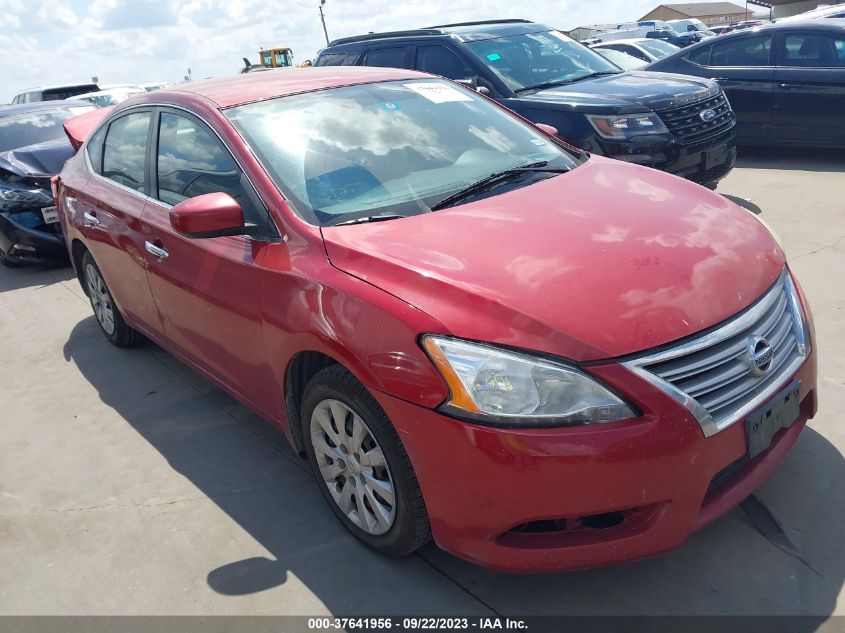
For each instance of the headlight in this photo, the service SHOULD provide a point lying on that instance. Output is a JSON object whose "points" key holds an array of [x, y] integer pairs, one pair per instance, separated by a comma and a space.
{"points": [[626, 125], [12, 198], [496, 386]]}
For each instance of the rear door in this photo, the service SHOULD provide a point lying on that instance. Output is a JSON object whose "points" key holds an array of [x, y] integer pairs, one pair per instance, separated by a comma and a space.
{"points": [[111, 205], [744, 67], [809, 105], [208, 290]]}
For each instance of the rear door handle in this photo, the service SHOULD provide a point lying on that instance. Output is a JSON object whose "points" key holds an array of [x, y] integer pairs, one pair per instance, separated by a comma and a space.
{"points": [[156, 250], [789, 86], [90, 219]]}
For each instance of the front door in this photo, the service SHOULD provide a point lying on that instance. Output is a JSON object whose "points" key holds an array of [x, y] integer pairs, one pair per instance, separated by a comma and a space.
{"points": [[208, 291]]}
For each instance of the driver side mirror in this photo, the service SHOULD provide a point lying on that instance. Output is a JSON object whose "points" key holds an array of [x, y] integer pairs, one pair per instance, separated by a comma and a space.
{"points": [[209, 215], [551, 130], [481, 86]]}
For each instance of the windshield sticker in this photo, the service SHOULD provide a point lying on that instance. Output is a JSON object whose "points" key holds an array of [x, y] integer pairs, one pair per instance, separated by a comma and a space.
{"points": [[494, 57], [538, 142], [390, 105], [438, 93]]}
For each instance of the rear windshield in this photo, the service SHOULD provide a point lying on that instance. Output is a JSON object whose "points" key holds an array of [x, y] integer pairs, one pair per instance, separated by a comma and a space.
{"points": [[395, 147], [658, 48], [66, 92], [29, 128]]}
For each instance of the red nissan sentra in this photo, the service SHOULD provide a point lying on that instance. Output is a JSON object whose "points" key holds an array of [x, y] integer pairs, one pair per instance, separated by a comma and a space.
{"points": [[542, 360]]}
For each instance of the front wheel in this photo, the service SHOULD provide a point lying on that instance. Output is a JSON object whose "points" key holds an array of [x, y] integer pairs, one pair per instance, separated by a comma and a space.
{"points": [[362, 468], [108, 316]]}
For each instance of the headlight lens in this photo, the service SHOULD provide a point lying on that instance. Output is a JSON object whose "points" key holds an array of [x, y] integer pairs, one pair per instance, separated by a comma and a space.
{"points": [[13, 198], [496, 386], [626, 125]]}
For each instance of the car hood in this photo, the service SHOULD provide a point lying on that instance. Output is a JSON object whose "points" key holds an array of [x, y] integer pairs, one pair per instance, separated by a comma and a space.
{"points": [[40, 160], [634, 91], [604, 261]]}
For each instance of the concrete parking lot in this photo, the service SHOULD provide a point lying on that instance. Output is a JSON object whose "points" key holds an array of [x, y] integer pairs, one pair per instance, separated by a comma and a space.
{"points": [[130, 485]]}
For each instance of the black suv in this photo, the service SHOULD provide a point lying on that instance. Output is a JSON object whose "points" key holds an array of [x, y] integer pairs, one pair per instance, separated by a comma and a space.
{"points": [[679, 124]]}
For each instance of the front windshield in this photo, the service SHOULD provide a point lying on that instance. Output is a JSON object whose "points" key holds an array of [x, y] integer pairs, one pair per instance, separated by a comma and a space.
{"points": [[396, 147], [535, 59], [658, 48], [39, 126]]}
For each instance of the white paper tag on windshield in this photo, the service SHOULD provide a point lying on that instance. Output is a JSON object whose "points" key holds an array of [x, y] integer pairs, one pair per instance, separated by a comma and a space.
{"points": [[438, 93]]}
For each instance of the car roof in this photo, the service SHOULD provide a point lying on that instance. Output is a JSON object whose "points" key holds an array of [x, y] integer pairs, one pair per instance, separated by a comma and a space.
{"points": [[235, 90], [464, 31], [23, 108], [632, 40]]}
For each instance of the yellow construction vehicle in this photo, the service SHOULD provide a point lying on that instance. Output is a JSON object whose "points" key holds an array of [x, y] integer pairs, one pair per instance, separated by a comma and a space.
{"points": [[276, 57]]}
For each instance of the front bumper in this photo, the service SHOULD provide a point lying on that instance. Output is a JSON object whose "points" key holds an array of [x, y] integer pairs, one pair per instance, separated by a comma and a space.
{"points": [[24, 240], [704, 162], [541, 500]]}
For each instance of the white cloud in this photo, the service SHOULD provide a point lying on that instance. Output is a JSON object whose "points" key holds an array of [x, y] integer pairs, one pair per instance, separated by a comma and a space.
{"points": [[56, 41]]}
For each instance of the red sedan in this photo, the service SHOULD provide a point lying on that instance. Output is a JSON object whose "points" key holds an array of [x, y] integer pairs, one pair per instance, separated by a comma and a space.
{"points": [[542, 360]]}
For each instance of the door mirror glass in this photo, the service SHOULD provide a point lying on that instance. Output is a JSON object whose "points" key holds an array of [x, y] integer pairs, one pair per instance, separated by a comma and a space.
{"points": [[209, 215]]}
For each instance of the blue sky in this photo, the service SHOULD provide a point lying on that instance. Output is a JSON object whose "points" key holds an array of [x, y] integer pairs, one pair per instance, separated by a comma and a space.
{"points": [[59, 41]]}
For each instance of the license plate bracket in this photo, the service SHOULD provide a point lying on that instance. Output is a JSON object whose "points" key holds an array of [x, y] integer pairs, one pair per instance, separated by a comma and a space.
{"points": [[50, 215], [778, 413], [715, 157]]}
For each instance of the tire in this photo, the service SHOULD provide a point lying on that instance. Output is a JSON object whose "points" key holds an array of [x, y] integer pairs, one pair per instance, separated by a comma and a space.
{"points": [[395, 524], [108, 317]]}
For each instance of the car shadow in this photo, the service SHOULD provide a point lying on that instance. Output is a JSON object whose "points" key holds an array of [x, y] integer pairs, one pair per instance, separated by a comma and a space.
{"points": [[245, 466], [798, 159], [31, 276]]}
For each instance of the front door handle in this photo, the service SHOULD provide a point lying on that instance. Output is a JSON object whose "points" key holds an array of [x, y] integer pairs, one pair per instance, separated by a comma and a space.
{"points": [[158, 251], [90, 219], [789, 86]]}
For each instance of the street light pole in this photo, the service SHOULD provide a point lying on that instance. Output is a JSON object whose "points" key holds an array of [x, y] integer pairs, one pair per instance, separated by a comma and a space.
{"points": [[323, 20]]}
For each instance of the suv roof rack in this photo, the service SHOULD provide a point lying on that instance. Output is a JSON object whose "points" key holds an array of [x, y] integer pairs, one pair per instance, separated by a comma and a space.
{"points": [[481, 22], [378, 36]]}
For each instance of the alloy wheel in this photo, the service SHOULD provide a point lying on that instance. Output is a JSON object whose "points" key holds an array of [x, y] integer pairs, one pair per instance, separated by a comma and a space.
{"points": [[353, 466], [101, 299]]}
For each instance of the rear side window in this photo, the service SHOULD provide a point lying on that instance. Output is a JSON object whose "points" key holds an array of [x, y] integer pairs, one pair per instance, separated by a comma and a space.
{"points": [[439, 60], [94, 149], [814, 50], [192, 162], [754, 50], [125, 148], [331, 59], [385, 57]]}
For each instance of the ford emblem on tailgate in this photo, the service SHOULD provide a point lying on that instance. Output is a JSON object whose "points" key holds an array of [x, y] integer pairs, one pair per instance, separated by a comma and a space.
{"points": [[759, 355], [707, 115]]}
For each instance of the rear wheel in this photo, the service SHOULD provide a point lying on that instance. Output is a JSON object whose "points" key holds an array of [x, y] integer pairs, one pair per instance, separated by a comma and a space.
{"points": [[108, 316], [362, 468]]}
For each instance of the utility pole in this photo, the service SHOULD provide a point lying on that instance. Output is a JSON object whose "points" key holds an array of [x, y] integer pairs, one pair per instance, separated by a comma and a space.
{"points": [[323, 20]]}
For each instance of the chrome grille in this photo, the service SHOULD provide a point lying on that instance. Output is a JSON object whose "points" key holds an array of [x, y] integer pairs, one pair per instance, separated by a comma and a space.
{"points": [[713, 375], [686, 125]]}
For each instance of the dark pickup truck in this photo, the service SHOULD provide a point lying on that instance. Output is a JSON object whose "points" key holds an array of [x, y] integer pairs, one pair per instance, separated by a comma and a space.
{"points": [[682, 125]]}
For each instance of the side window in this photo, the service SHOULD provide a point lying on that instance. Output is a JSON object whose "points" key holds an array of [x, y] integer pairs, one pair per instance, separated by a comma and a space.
{"points": [[191, 162], [700, 56], [125, 148], [94, 149], [752, 50], [331, 59], [814, 50], [385, 57], [439, 60]]}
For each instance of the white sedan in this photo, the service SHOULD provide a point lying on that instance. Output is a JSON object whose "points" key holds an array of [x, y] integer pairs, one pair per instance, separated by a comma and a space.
{"points": [[646, 49]]}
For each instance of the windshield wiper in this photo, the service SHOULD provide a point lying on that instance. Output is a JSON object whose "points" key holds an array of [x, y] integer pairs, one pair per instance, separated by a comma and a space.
{"points": [[493, 180], [367, 218], [553, 84]]}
